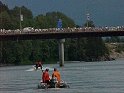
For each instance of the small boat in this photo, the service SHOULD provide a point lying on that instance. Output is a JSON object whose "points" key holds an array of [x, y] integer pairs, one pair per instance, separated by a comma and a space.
{"points": [[43, 68], [39, 68], [53, 84]]}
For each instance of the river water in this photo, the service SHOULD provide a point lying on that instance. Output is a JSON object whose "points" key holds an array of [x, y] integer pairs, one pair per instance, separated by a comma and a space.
{"points": [[83, 77]]}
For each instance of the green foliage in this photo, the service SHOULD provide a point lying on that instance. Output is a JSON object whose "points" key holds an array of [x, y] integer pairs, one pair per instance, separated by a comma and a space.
{"points": [[71, 49], [3, 7], [95, 47], [14, 16], [6, 21], [119, 48], [50, 20], [113, 39]]}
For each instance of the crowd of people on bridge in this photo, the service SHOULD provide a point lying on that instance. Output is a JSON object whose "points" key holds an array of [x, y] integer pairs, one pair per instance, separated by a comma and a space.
{"points": [[29, 30]]}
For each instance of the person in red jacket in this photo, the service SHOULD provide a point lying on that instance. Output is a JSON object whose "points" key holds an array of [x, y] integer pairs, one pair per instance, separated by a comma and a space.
{"points": [[46, 77]]}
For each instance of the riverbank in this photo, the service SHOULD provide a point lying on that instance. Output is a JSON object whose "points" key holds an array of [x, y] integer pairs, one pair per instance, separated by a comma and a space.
{"points": [[115, 51], [114, 54]]}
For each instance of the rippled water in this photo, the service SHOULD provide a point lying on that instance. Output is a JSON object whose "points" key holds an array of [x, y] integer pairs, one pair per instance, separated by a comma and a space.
{"points": [[95, 77]]}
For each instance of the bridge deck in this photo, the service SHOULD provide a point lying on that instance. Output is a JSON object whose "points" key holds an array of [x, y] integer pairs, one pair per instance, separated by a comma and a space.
{"points": [[57, 34]]}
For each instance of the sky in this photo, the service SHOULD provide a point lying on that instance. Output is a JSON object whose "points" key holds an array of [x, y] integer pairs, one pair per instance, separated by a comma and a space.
{"points": [[102, 12]]}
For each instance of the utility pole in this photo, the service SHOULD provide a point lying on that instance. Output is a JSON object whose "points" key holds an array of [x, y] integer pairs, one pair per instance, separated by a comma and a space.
{"points": [[21, 19], [88, 19], [1, 54]]}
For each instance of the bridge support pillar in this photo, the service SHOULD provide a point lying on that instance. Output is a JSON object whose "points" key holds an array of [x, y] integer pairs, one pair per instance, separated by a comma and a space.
{"points": [[61, 52]]}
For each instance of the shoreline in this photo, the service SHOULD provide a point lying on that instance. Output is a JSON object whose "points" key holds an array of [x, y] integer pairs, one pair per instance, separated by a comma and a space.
{"points": [[7, 65]]}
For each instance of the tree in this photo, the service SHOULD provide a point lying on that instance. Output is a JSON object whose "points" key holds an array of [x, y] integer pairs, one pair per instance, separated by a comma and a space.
{"points": [[6, 22], [95, 48], [50, 20], [27, 17]]}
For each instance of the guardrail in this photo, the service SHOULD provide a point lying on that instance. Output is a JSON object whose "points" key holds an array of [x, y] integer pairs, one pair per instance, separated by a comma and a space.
{"points": [[63, 30]]}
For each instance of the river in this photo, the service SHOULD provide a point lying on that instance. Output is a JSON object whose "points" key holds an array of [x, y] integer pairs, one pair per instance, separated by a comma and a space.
{"points": [[83, 77]]}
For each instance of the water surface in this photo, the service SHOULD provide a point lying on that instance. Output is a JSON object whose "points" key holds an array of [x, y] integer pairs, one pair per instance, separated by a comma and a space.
{"points": [[91, 77]]}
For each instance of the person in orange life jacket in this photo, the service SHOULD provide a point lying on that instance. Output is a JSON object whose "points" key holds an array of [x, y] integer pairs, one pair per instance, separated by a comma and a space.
{"points": [[56, 74], [46, 77]]}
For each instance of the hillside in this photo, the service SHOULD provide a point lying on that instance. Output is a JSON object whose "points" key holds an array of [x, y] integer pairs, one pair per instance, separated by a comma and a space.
{"points": [[116, 50]]}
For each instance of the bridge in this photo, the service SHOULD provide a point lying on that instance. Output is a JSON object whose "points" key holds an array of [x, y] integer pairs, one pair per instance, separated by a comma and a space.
{"points": [[54, 33], [61, 34]]}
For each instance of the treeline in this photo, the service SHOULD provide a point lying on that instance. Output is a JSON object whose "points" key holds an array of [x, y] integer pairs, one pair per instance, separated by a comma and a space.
{"points": [[28, 51]]}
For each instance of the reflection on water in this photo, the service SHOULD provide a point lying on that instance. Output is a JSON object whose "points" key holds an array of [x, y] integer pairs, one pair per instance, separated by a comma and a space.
{"points": [[95, 77]]}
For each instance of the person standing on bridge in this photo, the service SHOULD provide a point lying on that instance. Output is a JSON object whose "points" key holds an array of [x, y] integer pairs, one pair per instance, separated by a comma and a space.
{"points": [[59, 24]]}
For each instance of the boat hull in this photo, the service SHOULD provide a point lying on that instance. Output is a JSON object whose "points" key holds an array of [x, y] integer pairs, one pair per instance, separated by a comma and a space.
{"points": [[62, 84]]}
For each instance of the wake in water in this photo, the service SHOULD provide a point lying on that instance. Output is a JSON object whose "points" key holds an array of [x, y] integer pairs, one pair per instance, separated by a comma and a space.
{"points": [[39, 69]]}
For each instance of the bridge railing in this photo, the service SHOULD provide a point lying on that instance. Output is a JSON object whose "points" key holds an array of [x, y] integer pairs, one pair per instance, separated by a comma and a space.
{"points": [[63, 30]]}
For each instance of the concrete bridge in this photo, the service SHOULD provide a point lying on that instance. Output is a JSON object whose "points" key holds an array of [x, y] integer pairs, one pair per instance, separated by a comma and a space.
{"points": [[61, 34], [54, 33]]}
